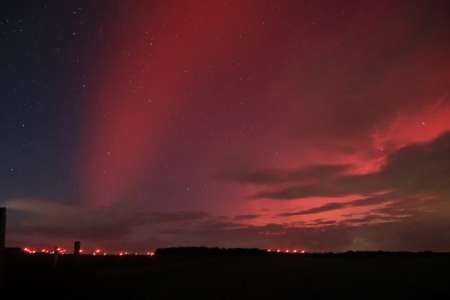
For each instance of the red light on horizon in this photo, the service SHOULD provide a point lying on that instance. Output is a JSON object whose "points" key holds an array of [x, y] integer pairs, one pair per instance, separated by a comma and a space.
{"points": [[290, 251], [28, 250], [98, 251]]}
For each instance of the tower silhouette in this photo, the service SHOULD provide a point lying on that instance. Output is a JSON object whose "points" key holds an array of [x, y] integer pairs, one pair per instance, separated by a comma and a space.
{"points": [[2, 228]]}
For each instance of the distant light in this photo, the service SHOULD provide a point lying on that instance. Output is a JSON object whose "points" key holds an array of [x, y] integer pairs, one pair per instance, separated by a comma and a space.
{"points": [[278, 250], [150, 253], [287, 251], [29, 250], [295, 251], [269, 250], [120, 253], [303, 251]]}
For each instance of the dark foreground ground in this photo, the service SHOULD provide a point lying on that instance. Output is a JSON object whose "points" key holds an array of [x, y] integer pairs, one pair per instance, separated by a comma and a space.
{"points": [[237, 276]]}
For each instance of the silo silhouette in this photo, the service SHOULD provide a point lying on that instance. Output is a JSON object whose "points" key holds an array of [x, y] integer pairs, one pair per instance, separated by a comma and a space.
{"points": [[76, 247], [2, 228]]}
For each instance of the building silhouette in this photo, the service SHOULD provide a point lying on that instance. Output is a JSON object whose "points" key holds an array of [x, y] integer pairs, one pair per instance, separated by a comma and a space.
{"points": [[2, 228]]}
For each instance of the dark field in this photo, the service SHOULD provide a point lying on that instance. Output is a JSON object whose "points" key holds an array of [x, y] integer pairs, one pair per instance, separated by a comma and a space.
{"points": [[232, 276]]}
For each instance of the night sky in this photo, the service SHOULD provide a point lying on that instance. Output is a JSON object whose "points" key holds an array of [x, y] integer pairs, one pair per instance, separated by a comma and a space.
{"points": [[318, 125]]}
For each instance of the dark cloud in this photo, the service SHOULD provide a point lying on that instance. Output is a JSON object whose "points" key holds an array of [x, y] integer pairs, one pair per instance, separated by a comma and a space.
{"points": [[320, 222], [370, 218], [414, 169], [339, 205], [315, 210], [304, 191], [246, 217]]}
